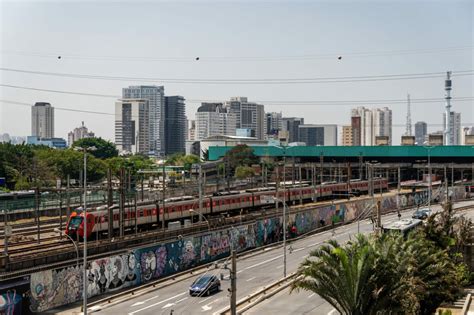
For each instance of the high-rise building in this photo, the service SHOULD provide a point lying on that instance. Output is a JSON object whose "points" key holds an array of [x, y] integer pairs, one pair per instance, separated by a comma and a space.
{"points": [[318, 134], [356, 131], [274, 124], [191, 130], [42, 120], [132, 126], [156, 100], [175, 124], [347, 135], [421, 132], [374, 123], [455, 127], [382, 118], [213, 119], [248, 115], [290, 125], [78, 133]]}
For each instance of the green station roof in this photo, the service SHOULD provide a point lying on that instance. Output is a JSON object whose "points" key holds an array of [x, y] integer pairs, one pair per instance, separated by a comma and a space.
{"points": [[459, 151]]}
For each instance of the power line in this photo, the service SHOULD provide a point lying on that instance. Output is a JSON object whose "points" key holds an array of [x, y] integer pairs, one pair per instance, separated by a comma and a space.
{"points": [[112, 114], [366, 78], [304, 57], [268, 102]]}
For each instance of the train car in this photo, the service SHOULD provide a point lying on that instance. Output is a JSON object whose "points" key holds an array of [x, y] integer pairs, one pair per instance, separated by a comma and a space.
{"points": [[145, 215]]}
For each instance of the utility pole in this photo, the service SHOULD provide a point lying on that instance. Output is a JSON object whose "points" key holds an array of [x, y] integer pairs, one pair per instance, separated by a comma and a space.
{"points": [[163, 195], [300, 185], [233, 285], [37, 206], [110, 203], [200, 191], [68, 200], [321, 160], [122, 201]]}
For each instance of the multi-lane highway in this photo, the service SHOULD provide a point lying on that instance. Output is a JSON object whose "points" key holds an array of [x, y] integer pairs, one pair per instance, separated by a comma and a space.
{"points": [[253, 273]]}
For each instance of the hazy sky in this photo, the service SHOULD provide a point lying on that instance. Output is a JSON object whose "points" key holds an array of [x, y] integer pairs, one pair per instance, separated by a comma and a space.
{"points": [[235, 40]]}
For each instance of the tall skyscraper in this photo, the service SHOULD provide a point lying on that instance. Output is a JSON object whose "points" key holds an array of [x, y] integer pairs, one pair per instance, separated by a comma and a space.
{"points": [[382, 118], [421, 131], [42, 120], [132, 126], [274, 123], [175, 124], [249, 115], [191, 130], [318, 134], [156, 100], [290, 125], [454, 127], [78, 133], [373, 123], [213, 119]]}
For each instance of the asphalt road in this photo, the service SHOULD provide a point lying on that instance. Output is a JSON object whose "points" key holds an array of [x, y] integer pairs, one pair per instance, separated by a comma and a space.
{"points": [[253, 273]]}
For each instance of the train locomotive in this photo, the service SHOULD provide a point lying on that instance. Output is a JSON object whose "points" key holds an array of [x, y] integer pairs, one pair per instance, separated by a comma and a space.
{"points": [[145, 214]]}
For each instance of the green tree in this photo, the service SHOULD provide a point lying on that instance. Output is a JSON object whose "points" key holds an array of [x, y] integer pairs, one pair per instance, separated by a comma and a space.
{"points": [[240, 155], [381, 275], [104, 149], [244, 172]]}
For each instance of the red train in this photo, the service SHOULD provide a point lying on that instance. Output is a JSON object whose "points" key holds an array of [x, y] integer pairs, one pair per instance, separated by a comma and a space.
{"points": [[178, 208]]}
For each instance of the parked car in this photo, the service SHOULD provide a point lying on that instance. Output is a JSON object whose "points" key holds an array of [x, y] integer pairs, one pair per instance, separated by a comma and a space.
{"points": [[421, 214], [205, 285]]}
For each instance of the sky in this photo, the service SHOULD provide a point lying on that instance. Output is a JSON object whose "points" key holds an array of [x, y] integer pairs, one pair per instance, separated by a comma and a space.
{"points": [[241, 40]]}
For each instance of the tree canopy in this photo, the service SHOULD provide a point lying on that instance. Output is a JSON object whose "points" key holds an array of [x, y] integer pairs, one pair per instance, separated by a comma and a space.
{"points": [[104, 149], [240, 155]]}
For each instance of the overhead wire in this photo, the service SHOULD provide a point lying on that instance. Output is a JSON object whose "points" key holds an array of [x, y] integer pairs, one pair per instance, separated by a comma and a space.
{"points": [[342, 79]]}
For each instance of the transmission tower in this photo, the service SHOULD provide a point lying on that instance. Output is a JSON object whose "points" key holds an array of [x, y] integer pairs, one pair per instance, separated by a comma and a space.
{"points": [[408, 125]]}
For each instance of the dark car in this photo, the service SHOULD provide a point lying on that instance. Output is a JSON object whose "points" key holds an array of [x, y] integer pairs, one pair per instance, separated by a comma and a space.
{"points": [[421, 214], [204, 285]]}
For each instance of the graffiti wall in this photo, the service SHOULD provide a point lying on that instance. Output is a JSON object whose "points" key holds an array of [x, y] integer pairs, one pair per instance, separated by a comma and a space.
{"points": [[10, 303], [53, 288]]}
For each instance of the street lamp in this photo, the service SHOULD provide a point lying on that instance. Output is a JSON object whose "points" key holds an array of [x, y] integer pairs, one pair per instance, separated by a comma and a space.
{"points": [[284, 233], [56, 230], [84, 290], [429, 175], [202, 216]]}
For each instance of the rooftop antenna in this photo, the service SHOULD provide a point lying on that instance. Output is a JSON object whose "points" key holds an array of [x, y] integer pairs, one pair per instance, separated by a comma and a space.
{"points": [[408, 124]]}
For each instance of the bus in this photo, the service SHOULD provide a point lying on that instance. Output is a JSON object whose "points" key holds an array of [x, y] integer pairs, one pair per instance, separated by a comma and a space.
{"points": [[403, 226]]}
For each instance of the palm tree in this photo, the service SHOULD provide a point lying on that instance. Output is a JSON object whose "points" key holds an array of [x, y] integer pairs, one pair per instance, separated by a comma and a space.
{"points": [[344, 276]]}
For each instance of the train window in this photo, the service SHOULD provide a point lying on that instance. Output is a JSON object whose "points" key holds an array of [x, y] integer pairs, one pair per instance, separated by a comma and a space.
{"points": [[116, 217], [213, 203]]}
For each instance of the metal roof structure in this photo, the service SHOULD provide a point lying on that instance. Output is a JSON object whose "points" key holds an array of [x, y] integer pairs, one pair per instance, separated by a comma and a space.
{"points": [[465, 153]]}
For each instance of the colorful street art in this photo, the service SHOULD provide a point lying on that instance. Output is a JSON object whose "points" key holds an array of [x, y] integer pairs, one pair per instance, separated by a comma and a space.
{"points": [[53, 288], [10, 303]]}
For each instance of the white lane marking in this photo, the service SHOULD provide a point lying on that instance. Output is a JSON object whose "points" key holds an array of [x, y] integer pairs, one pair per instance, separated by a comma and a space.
{"points": [[181, 300], [144, 301], [311, 295], [168, 305], [205, 300], [279, 267], [263, 262], [206, 308], [314, 244], [332, 312], [155, 304], [239, 271], [297, 250], [250, 279]]}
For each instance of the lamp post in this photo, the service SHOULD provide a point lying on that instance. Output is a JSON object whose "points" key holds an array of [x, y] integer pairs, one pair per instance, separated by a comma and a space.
{"points": [[429, 175], [201, 216], [284, 233], [84, 288], [56, 230]]}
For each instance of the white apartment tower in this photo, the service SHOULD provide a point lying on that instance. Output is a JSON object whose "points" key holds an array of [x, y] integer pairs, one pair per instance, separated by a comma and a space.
{"points": [[373, 123], [156, 101], [132, 126], [78, 133], [454, 127], [212, 119], [42, 120]]}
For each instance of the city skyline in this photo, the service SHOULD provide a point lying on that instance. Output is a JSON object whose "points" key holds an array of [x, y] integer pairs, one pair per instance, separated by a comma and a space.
{"points": [[364, 50]]}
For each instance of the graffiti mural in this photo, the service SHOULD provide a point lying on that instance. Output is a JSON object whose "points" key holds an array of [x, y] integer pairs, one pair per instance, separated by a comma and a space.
{"points": [[10, 303], [242, 237], [268, 231], [52, 288]]}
